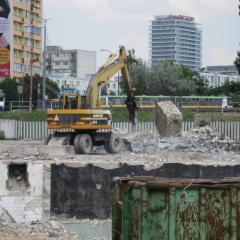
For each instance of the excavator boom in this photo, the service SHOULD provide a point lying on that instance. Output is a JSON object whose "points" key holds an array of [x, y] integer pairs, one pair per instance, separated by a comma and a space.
{"points": [[104, 74]]}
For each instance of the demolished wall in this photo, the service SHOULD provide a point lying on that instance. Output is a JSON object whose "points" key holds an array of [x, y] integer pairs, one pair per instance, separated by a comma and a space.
{"points": [[86, 192], [25, 190]]}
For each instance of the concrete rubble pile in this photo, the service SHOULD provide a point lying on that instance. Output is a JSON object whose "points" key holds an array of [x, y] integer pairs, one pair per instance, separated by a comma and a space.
{"points": [[43, 231], [198, 140]]}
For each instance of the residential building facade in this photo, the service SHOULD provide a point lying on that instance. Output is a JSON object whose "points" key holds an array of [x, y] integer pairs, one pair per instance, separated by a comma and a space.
{"points": [[177, 39], [70, 63], [222, 69], [24, 33], [70, 68], [216, 76], [216, 80]]}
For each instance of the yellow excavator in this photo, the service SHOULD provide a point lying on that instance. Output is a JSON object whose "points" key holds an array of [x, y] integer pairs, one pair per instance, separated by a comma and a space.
{"points": [[83, 122]]}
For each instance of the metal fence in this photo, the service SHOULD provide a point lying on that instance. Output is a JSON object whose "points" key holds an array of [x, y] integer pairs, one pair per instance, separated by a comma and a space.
{"points": [[38, 130]]}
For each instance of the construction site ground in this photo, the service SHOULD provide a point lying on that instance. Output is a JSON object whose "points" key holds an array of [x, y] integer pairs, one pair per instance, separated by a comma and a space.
{"points": [[201, 146]]}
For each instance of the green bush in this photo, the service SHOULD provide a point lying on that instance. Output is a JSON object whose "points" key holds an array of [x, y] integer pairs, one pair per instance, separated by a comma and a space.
{"points": [[2, 135]]}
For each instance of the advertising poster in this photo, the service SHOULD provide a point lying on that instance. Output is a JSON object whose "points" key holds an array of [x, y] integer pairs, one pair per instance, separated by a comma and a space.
{"points": [[5, 11]]}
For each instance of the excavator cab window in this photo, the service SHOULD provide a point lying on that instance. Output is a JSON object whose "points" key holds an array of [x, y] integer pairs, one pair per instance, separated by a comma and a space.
{"points": [[71, 102]]}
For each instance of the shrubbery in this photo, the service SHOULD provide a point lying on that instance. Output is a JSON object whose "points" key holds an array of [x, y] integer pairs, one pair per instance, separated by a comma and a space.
{"points": [[2, 135]]}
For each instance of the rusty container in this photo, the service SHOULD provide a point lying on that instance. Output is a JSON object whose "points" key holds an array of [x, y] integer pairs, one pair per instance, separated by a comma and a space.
{"points": [[147, 208]]}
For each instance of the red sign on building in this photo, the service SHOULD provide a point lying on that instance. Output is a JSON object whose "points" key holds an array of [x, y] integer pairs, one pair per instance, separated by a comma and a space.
{"points": [[4, 38]]}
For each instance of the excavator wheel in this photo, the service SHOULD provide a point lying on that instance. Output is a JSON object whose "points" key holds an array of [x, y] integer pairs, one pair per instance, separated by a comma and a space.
{"points": [[83, 144], [114, 145]]}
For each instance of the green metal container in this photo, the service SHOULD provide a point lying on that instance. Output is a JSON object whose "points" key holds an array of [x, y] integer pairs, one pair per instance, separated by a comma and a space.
{"points": [[146, 208]]}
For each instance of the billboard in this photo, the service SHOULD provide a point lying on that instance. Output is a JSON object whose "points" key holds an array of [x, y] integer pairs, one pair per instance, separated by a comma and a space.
{"points": [[5, 36]]}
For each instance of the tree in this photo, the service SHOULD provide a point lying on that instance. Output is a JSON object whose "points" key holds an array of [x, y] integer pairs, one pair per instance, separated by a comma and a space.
{"points": [[10, 89], [52, 89], [132, 59], [165, 78], [237, 62]]}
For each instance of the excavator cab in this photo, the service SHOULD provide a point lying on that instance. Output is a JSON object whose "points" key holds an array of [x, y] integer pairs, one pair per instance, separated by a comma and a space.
{"points": [[74, 101]]}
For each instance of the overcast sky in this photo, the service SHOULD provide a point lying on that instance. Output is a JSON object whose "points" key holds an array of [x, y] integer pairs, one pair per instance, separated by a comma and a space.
{"points": [[106, 24]]}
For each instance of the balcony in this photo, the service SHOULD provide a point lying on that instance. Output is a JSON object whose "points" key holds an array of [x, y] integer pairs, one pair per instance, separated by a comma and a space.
{"points": [[18, 19], [19, 33], [18, 74], [18, 46], [20, 5], [33, 36], [36, 8]]}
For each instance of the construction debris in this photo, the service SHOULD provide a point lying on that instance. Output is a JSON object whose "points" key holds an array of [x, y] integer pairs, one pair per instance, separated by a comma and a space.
{"points": [[35, 231], [201, 120], [168, 119], [199, 140]]}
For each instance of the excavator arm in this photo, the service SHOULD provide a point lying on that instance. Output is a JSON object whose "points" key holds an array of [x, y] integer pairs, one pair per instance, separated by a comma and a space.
{"points": [[104, 74]]}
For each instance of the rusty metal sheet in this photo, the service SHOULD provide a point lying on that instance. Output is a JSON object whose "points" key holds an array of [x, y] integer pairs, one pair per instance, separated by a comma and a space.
{"points": [[176, 209]]}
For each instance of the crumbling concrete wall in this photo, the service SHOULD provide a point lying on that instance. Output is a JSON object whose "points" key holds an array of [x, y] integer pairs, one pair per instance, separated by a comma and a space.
{"points": [[25, 190], [86, 192], [168, 119]]}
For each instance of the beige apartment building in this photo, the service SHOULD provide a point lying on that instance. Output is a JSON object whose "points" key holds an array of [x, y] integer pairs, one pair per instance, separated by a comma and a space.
{"points": [[25, 28]]}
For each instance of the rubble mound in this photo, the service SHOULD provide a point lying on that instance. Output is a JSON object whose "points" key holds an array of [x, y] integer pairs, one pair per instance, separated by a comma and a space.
{"points": [[198, 140], [44, 231]]}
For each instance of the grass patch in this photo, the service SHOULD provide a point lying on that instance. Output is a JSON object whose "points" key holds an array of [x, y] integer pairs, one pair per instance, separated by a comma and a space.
{"points": [[25, 116], [122, 116]]}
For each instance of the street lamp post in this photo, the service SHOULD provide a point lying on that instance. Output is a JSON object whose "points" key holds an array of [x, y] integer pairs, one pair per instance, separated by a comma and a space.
{"points": [[31, 83]]}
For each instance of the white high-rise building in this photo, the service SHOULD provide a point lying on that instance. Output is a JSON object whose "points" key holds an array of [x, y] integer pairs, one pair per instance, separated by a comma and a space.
{"points": [[177, 39]]}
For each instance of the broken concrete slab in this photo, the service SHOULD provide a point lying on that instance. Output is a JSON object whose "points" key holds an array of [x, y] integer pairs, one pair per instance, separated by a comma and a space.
{"points": [[168, 119]]}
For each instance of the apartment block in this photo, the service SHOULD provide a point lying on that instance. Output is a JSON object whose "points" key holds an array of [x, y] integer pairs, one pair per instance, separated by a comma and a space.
{"points": [[23, 32], [70, 68]]}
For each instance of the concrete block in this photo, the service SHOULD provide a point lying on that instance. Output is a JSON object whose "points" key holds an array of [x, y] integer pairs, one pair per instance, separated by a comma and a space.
{"points": [[168, 119], [201, 120]]}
